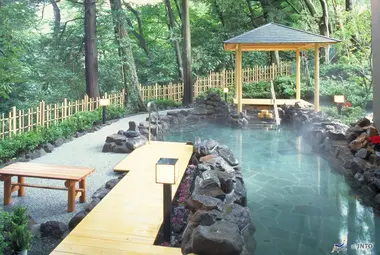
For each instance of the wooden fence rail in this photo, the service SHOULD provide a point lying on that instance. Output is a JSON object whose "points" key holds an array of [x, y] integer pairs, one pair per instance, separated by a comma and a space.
{"points": [[45, 115], [223, 79]]}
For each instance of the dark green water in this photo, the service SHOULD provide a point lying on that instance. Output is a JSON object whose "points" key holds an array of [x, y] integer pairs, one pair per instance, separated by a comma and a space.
{"points": [[298, 203]]}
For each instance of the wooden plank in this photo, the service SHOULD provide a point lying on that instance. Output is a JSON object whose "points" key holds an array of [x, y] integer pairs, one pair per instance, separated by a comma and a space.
{"points": [[47, 171], [43, 187], [259, 101], [298, 75], [122, 224], [316, 78]]}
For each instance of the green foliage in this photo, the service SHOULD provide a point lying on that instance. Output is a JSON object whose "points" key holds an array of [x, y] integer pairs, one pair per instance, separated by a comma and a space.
{"points": [[16, 144], [15, 235], [349, 114], [164, 103], [219, 91]]}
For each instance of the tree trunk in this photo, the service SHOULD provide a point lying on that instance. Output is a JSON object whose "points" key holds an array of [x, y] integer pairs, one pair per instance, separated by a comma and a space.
{"points": [[348, 5], [174, 38], [251, 13], [186, 57], [324, 29], [311, 8], [91, 54], [57, 19], [134, 102], [274, 55]]}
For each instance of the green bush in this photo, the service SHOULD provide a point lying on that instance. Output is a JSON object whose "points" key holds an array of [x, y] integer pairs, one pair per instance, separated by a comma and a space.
{"points": [[220, 92], [349, 114], [15, 235], [28, 141]]}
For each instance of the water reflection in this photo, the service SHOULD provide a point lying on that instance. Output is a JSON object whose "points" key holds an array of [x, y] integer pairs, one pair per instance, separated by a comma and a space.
{"points": [[299, 205]]}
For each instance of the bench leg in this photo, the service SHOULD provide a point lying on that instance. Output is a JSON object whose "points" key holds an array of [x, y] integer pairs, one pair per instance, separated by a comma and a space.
{"points": [[7, 189], [71, 196], [82, 185], [21, 191]]}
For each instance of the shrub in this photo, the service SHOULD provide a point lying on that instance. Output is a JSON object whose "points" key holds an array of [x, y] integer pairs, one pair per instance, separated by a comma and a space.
{"points": [[28, 141], [349, 114]]}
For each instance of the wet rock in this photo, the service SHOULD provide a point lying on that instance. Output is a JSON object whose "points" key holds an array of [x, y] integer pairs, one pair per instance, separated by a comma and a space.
{"points": [[211, 174], [210, 144], [109, 147], [116, 138], [58, 142], [372, 131], [121, 149], [359, 178], [362, 153], [54, 229], [77, 219], [42, 152], [94, 202], [363, 122], [240, 193], [368, 176], [377, 199], [227, 155], [353, 132], [49, 147], [100, 193], [374, 159], [377, 173], [201, 202], [358, 165], [131, 126], [135, 142], [205, 218], [210, 187], [358, 143], [221, 238], [237, 214], [226, 181], [203, 167], [112, 183]]}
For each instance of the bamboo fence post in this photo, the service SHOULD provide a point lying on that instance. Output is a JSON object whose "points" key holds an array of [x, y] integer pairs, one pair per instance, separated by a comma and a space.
{"points": [[64, 110], [14, 119], [20, 126], [10, 123], [2, 125], [55, 113]]}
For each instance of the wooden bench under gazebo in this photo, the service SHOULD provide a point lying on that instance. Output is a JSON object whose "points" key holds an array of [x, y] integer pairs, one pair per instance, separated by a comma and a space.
{"points": [[276, 37]]}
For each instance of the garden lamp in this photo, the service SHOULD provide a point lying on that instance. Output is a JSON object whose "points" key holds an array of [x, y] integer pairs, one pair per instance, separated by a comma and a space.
{"points": [[166, 174], [339, 100], [225, 90], [104, 103]]}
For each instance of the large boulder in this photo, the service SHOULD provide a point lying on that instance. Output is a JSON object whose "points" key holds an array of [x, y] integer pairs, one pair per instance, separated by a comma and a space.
{"points": [[54, 229], [116, 138], [221, 238], [363, 122], [202, 202], [227, 155], [359, 142], [77, 219]]}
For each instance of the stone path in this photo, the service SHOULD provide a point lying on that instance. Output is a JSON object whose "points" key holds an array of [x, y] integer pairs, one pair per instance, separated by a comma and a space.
{"points": [[44, 205]]}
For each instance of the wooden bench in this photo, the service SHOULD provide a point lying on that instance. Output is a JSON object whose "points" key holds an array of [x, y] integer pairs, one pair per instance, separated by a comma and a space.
{"points": [[70, 174]]}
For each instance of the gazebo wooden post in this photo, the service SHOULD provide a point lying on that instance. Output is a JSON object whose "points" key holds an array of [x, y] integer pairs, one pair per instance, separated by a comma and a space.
{"points": [[316, 78], [298, 75], [239, 89]]}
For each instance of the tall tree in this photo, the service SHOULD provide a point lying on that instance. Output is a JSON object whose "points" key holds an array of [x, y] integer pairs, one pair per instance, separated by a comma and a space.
{"points": [[130, 79], [324, 29], [57, 18], [186, 55], [91, 53], [348, 5], [274, 55], [174, 38]]}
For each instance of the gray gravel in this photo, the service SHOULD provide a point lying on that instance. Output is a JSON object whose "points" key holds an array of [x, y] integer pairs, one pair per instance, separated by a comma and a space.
{"points": [[45, 205]]}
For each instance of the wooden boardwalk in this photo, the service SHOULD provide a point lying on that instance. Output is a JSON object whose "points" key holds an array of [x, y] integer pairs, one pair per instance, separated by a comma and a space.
{"points": [[128, 219]]}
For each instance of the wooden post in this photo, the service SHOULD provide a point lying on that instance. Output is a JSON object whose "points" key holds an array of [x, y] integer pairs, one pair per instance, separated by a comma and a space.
{"points": [[2, 125], [239, 85], [375, 6], [21, 191], [298, 75], [42, 113], [316, 78], [82, 185], [14, 120], [71, 196], [156, 91], [7, 189]]}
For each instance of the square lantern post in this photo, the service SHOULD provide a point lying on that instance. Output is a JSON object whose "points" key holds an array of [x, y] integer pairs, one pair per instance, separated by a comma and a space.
{"points": [[166, 174], [339, 100], [104, 103], [225, 90]]}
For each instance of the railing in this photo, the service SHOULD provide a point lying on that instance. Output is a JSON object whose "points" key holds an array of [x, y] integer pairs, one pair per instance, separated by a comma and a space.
{"points": [[225, 78], [45, 115], [277, 117], [152, 107]]}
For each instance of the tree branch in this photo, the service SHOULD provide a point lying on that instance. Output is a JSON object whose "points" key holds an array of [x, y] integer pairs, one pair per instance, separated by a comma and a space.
{"points": [[64, 26], [293, 7]]}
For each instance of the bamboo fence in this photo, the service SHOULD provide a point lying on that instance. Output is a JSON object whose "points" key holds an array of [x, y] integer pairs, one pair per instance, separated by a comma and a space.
{"points": [[223, 79], [45, 115]]}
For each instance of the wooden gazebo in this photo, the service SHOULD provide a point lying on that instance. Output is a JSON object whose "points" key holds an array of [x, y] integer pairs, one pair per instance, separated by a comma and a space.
{"points": [[276, 37]]}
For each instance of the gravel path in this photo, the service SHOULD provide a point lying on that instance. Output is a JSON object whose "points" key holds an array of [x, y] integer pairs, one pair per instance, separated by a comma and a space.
{"points": [[44, 205]]}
